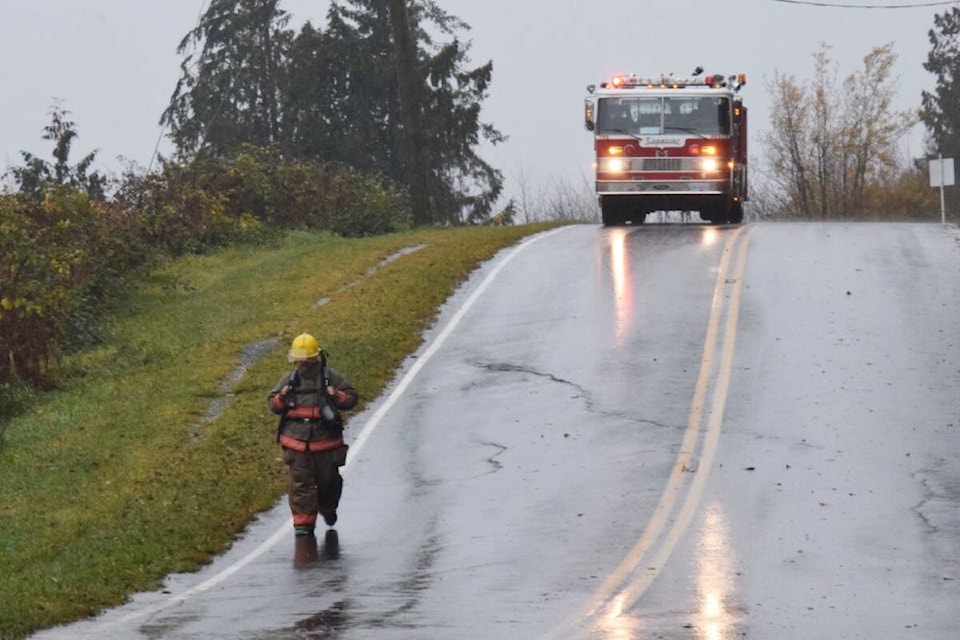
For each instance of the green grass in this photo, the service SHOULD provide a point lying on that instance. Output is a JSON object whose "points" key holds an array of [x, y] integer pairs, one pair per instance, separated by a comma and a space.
{"points": [[115, 479]]}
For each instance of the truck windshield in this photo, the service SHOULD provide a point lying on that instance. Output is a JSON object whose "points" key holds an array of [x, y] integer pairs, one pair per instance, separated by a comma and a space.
{"points": [[697, 115]]}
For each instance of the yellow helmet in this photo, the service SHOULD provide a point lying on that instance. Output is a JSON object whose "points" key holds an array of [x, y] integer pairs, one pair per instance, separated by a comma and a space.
{"points": [[304, 347]]}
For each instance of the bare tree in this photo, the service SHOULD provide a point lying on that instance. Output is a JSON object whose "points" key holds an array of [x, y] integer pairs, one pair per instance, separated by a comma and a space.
{"points": [[557, 199], [824, 142], [831, 140], [524, 196], [786, 142], [871, 127], [569, 201]]}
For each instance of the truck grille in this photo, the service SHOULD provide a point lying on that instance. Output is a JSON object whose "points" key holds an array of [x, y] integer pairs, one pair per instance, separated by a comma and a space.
{"points": [[661, 164]]}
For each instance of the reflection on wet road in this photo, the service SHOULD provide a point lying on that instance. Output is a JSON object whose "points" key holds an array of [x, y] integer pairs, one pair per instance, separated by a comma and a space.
{"points": [[663, 431], [715, 576], [679, 501]]}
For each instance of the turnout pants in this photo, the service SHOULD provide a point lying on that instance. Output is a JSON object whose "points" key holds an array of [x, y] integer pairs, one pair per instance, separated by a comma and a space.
{"points": [[314, 483]]}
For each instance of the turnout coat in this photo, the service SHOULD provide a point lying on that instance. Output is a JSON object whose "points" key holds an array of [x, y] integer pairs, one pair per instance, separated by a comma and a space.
{"points": [[310, 417]]}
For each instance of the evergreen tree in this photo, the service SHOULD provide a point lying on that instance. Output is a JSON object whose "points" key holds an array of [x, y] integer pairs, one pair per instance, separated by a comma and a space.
{"points": [[346, 105], [941, 108], [230, 94], [340, 94], [337, 96]]}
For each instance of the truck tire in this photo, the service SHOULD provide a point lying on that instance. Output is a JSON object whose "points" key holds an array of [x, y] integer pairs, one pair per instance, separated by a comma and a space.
{"points": [[610, 214], [736, 213]]}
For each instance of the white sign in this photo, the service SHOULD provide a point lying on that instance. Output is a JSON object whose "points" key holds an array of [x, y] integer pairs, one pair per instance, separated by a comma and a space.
{"points": [[941, 172]]}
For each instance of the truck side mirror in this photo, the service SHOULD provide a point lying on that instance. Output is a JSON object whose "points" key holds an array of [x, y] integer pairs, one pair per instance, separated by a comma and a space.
{"points": [[588, 121]]}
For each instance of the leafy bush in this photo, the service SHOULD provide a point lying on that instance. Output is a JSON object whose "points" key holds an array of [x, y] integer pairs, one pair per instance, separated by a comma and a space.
{"points": [[366, 206], [64, 255], [307, 194], [188, 208], [63, 259], [338, 199], [212, 202]]}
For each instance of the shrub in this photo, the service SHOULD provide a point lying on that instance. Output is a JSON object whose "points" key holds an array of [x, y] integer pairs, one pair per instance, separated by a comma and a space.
{"points": [[65, 256], [190, 208], [62, 257], [338, 199], [328, 196]]}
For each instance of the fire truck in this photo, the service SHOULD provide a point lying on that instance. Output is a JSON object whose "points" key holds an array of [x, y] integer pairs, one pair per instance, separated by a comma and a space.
{"points": [[669, 144]]}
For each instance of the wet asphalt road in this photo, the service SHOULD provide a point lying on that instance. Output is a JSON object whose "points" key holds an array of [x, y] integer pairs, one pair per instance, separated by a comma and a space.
{"points": [[668, 431]]}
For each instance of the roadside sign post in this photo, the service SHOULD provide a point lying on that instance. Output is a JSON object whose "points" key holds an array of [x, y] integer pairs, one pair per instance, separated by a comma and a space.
{"points": [[941, 175]]}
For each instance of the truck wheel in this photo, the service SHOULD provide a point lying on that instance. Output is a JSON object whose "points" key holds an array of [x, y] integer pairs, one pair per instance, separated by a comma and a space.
{"points": [[736, 213], [721, 214], [611, 215]]}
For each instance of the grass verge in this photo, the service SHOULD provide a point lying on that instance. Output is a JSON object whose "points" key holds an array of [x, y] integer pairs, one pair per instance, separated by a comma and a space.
{"points": [[122, 476]]}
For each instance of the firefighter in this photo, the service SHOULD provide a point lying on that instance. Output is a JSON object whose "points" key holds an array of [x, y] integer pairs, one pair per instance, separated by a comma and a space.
{"points": [[309, 400]]}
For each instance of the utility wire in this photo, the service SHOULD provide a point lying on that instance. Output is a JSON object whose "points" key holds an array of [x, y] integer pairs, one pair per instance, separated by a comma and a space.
{"points": [[869, 6], [163, 128]]}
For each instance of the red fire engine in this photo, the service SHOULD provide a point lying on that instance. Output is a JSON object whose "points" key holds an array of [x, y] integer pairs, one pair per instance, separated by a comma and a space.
{"points": [[669, 144]]}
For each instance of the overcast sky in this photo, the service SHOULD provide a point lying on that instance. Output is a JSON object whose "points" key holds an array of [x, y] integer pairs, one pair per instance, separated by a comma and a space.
{"points": [[113, 65]]}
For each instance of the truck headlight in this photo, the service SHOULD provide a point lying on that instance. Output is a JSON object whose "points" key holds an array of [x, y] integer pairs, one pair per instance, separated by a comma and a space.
{"points": [[709, 165], [614, 165]]}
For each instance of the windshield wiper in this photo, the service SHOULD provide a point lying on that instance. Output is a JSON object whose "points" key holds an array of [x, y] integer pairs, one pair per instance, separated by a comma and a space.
{"points": [[686, 130], [624, 132]]}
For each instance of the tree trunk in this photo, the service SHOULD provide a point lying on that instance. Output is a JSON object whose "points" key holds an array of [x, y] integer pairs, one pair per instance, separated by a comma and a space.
{"points": [[417, 168]]}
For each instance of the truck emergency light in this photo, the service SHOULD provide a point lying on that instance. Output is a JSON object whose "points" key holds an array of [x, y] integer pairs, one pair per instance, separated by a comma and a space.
{"points": [[715, 81], [708, 150]]}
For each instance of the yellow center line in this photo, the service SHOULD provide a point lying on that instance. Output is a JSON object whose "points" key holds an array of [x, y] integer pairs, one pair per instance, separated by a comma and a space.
{"points": [[711, 441], [607, 596]]}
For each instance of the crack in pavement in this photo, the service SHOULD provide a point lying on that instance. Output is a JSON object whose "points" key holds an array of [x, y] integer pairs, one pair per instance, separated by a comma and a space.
{"points": [[591, 405]]}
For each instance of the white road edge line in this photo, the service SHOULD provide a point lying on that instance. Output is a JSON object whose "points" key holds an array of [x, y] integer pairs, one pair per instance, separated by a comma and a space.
{"points": [[368, 428]]}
